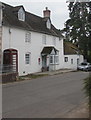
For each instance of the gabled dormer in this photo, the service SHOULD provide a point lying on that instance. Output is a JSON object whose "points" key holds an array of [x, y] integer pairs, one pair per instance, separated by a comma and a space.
{"points": [[21, 14], [19, 11], [47, 13], [48, 24]]}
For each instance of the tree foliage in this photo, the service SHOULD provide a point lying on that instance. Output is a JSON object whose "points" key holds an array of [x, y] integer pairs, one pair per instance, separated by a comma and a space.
{"points": [[78, 27]]}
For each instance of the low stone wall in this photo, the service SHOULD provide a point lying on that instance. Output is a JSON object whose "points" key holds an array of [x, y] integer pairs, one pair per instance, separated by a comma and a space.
{"points": [[9, 77]]}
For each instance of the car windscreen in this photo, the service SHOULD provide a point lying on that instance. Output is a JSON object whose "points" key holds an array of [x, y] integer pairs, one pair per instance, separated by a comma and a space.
{"points": [[83, 63]]}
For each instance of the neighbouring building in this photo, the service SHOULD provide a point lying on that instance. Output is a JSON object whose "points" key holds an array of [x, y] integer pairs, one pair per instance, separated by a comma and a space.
{"points": [[72, 56]]}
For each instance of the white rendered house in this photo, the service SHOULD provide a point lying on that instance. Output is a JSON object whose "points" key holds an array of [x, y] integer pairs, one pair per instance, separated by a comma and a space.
{"points": [[29, 42], [72, 56]]}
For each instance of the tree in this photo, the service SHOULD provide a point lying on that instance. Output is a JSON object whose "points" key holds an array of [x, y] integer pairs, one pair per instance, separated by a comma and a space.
{"points": [[77, 27], [89, 43]]}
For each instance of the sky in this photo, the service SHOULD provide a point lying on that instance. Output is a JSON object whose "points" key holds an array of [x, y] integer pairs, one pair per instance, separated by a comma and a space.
{"points": [[59, 9]]}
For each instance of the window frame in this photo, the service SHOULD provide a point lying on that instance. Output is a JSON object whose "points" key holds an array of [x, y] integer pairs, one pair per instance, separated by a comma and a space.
{"points": [[54, 40], [28, 37], [65, 59], [77, 61], [72, 61], [44, 40], [27, 58], [54, 59], [21, 14]]}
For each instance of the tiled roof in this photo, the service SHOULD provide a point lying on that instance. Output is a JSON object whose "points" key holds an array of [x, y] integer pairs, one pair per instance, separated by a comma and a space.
{"points": [[70, 49], [32, 22], [48, 50]]}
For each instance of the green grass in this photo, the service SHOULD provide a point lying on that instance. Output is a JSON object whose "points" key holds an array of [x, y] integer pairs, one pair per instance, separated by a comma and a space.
{"points": [[30, 76]]}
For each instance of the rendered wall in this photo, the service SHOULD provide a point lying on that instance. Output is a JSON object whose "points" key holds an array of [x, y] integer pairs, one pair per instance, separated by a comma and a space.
{"points": [[15, 38]]}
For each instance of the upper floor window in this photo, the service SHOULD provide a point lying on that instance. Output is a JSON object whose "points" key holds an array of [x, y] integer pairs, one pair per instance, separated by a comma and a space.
{"points": [[54, 40], [21, 14], [28, 37], [44, 39]]}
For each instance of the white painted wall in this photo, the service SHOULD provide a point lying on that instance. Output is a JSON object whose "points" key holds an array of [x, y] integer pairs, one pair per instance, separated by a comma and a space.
{"points": [[68, 65], [16, 40]]}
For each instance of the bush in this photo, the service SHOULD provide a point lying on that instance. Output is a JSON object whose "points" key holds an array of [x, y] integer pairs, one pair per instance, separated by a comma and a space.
{"points": [[87, 87]]}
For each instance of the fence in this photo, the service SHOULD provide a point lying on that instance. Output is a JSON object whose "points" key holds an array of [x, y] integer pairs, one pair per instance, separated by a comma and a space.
{"points": [[8, 73], [7, 68]]}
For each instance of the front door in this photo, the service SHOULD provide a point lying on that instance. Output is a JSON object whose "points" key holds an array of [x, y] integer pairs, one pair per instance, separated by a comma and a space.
{"points": [[44, 63]]}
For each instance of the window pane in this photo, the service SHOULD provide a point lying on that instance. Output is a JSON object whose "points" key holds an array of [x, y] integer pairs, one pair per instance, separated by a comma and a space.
{"points": [[28, 37], [66, 59], [56, 59], [54, 40], [77, 61], [27, 58], [71, 61], [44, 39], [51, 59]]}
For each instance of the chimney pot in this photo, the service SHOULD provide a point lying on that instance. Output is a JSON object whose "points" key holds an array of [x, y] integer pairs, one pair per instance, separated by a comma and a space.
{"points": [[46, 13]]}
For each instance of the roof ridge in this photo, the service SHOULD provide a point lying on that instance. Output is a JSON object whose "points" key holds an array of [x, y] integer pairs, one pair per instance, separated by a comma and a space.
{"points": [[33, 14]]}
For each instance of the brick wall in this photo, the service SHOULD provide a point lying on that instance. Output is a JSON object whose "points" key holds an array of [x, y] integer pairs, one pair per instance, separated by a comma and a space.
{"points": [[9, 77]]}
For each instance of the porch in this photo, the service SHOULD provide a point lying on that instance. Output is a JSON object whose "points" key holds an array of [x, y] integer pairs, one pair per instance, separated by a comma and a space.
{"points": [[50, 58]]}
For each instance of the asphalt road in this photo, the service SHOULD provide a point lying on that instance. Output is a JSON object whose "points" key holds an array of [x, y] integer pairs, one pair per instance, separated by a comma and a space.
{"points": [[46, 97]]}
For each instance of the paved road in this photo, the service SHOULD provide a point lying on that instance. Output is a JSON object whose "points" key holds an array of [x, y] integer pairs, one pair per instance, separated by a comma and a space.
{"points": [[46, 97]]}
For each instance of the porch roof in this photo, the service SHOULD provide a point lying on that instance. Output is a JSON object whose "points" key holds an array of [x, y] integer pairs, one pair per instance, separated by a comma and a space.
{"points": [[48, 50]]}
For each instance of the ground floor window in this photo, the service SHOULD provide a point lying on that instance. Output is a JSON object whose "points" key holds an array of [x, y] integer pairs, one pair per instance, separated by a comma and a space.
{"points": [[54, 59], [27, 58], [77, 61], [66, 59], [71, 61]]}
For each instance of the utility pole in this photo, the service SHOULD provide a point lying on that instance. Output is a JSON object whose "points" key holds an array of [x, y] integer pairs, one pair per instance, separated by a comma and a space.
{"points": [[1, 14], [0, 60], [0, 33]]}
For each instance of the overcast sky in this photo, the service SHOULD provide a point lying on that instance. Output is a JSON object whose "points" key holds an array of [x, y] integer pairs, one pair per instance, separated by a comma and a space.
{"points": [[59, 9]]}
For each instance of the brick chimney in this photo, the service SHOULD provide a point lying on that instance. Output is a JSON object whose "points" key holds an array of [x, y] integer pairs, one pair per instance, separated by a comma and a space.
{"points": [[46, 13]]}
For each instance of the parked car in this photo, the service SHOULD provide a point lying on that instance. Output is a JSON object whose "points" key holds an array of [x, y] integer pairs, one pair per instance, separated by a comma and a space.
{"points": [[85, 66]]}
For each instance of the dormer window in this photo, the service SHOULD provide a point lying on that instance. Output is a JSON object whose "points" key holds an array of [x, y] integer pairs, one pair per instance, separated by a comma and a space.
{"points": [[21, 14], [48, 24]]}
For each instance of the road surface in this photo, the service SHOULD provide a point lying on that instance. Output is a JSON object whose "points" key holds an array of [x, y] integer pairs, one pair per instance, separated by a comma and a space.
{"points": [[45, 97]]}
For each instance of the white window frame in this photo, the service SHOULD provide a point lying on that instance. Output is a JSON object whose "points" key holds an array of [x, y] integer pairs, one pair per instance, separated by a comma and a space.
{"points": [[21, 14], [54, 59], [27, 58], [54, 40], [28, 37], [65, 59], [72, 61], [44, 39], [48, 24], [78, 61]]}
